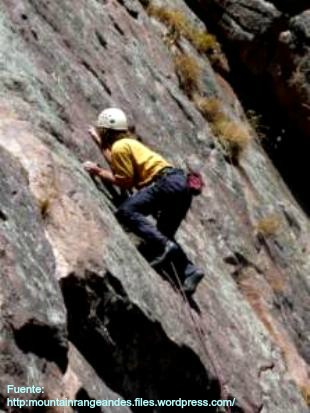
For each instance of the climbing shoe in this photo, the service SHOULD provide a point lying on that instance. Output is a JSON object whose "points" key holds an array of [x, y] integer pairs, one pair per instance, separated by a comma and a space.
{"points": [[191, 282], [170, 249]]}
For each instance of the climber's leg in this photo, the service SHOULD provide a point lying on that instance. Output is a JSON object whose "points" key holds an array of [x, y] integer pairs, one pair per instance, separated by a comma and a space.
{"points": [[175, 210], [132, 213], [155, 198], [169, 199], [178, 202]]}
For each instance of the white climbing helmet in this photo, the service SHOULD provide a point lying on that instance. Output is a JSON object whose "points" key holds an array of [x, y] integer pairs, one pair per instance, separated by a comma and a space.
{"points": [[112, 118]]}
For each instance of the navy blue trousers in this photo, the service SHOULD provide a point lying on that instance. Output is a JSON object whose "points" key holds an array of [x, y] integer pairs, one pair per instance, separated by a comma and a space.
{"points": [[168, 200]]}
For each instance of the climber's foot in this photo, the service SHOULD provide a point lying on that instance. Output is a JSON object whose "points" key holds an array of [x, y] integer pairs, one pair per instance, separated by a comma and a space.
{"points": [[170, 249], [191, 282]]}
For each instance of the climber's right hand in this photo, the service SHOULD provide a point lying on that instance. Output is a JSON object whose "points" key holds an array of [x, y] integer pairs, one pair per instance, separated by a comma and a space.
{"points": [[91, 168]]}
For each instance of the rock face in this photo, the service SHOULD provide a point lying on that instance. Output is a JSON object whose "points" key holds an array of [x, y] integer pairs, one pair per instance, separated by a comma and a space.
{"points": [[271, 39], [245, 334], [33, 318], [268, 47]]}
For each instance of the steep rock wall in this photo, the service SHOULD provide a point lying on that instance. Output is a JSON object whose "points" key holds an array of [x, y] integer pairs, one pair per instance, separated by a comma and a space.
{"points": [[272, 40], [244, 335], [268, 47]]}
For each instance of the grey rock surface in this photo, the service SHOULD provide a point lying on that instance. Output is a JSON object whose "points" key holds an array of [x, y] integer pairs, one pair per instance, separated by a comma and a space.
{"points": [[33, 318]]}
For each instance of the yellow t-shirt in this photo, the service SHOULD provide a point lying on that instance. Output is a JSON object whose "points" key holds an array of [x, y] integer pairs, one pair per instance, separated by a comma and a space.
{"points": [[134, 164]]}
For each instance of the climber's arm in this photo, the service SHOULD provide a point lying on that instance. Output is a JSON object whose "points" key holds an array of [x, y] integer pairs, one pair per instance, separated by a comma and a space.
{"points": [[120, 162], [105, 174]]}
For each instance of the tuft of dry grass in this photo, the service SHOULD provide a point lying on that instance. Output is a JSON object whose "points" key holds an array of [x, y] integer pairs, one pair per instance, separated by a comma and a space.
{"points": [[178, 24], [256, 123], [188, 71], [174, 19], [203, 42], [298, 79], [233, 136], [305, 391], [269, 225], [211, 108], [218, 60]]}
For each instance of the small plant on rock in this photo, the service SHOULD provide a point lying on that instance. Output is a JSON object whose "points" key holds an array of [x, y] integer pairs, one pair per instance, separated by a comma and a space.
{"points": [[298, 80], [179, 25], [305, 390], [233, 136], [173, 19], [255, 121], [268, 226], [188, 71], [203, 41], [211, 108]]}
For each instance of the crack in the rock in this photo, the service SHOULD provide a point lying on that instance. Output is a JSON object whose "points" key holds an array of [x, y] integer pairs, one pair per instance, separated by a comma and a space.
{"points": [[95, 75], [40, 13], [117, 26], [3, 216], [260, 408], [102, 41], [182, 107], [129, 8], [264, 369], [241, 262], [292, 221]]}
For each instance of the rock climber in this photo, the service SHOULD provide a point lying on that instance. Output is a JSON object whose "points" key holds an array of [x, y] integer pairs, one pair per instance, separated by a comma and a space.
{"points": [[161, 190]]}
